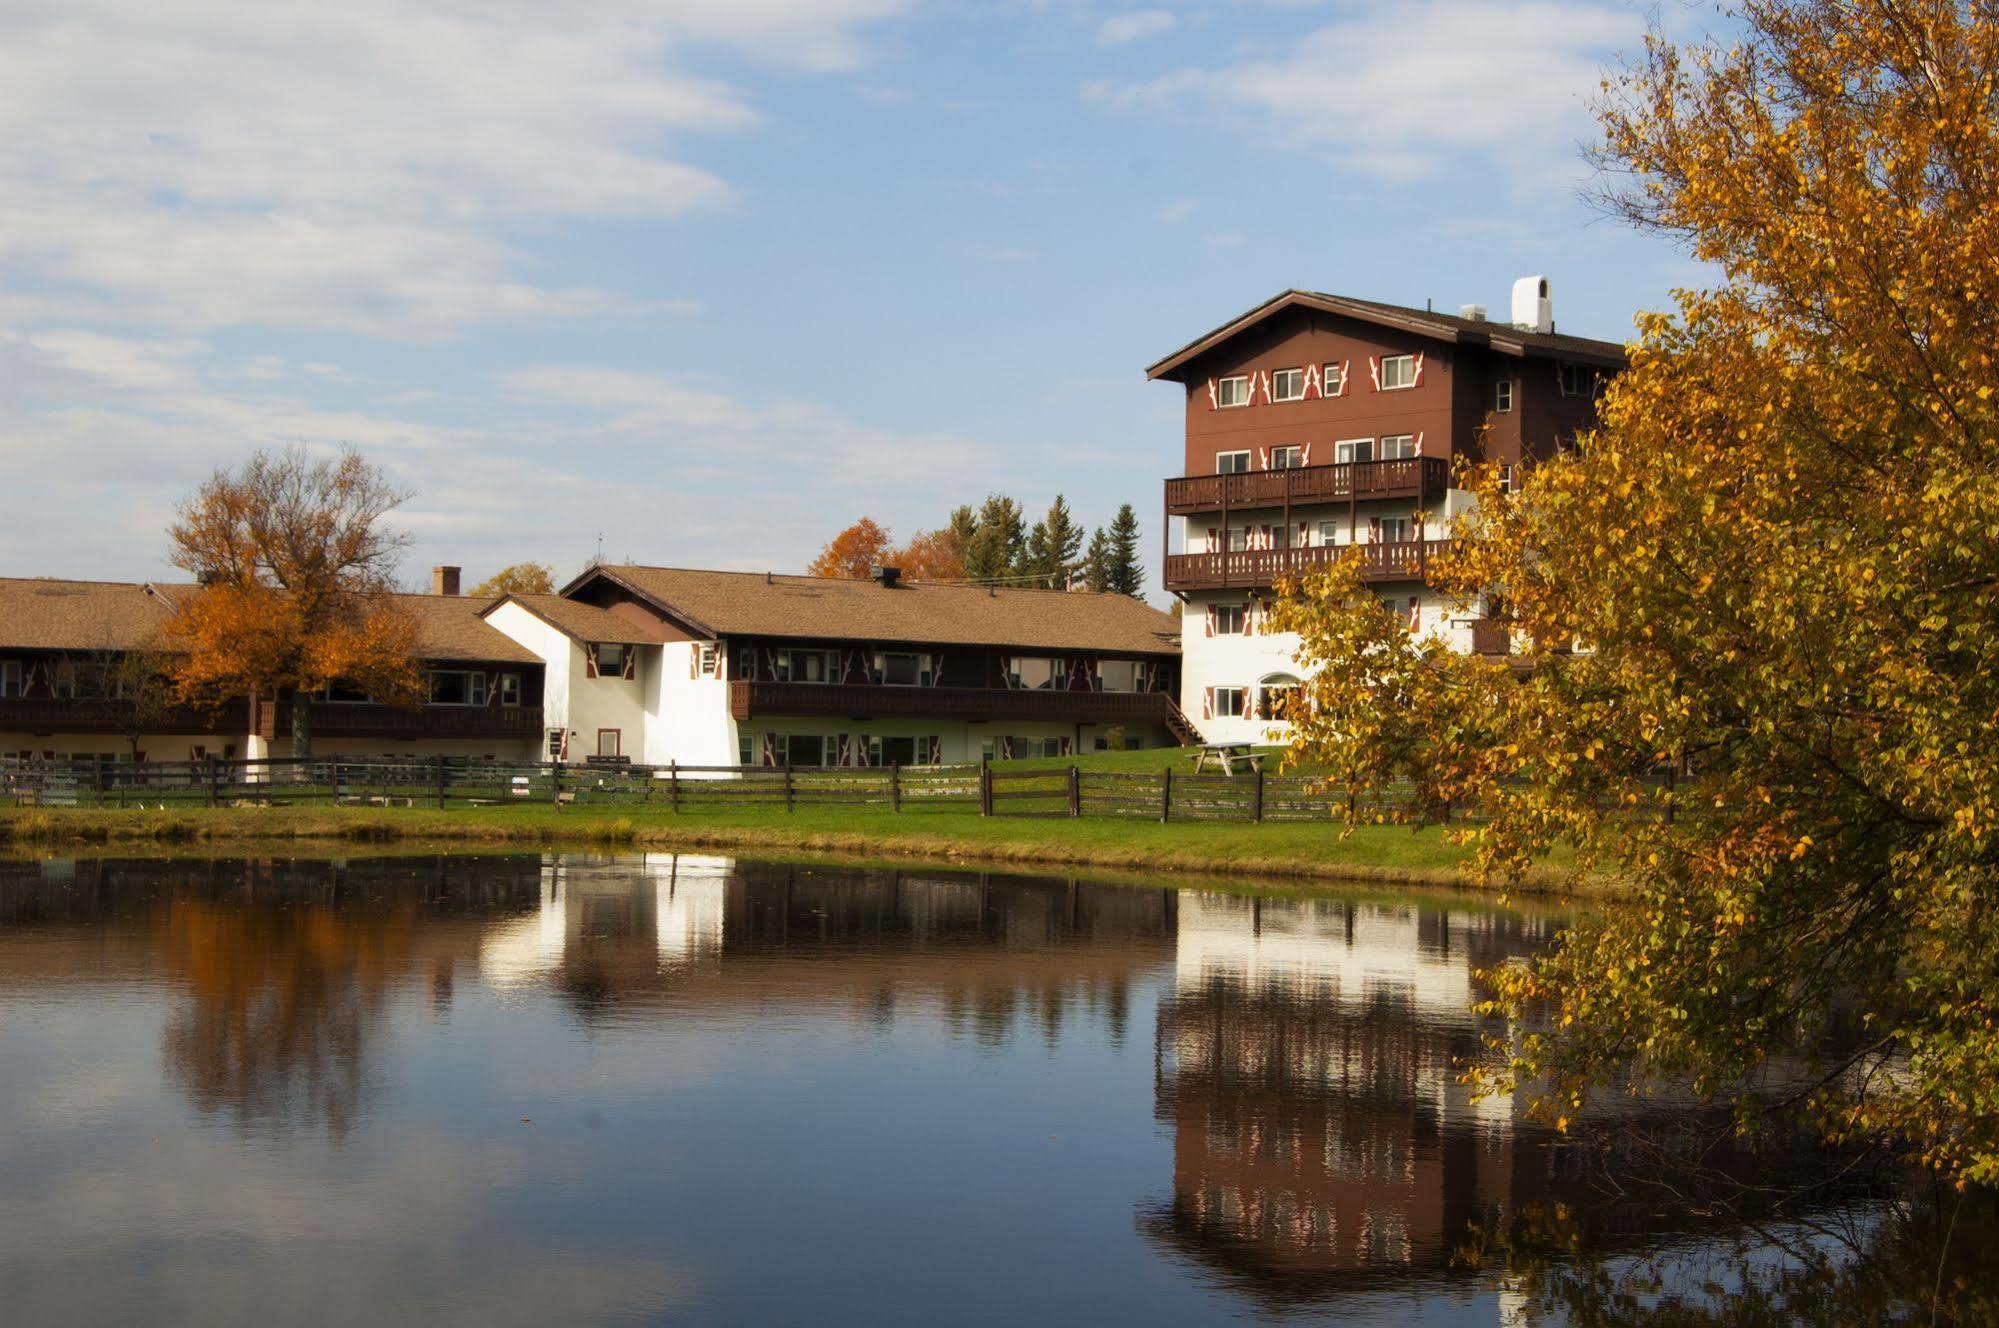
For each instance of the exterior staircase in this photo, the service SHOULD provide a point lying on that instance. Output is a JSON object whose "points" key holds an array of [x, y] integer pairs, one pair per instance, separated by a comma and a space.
{"points": [[1181, 727]]}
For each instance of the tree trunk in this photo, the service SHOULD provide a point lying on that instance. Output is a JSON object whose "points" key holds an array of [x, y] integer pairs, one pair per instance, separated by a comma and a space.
{"points": [[301, 727]]}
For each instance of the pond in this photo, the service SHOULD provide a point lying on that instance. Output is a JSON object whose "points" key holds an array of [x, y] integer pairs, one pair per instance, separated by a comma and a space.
{"points": [[669, 1088]]}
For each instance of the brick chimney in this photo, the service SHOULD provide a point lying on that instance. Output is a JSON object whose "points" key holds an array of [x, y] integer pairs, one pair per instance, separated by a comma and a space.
{"points": [[444, 580]]}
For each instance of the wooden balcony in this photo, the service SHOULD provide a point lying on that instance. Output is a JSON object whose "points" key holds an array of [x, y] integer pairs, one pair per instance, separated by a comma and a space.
{"points": [[48, 715], [1421, 478], [336, 719], [756, 700], [1252, 569]]}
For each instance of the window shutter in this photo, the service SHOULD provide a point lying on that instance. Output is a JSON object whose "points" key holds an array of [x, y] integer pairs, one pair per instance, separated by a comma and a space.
{"points": [[1212, 403], [770, 749], [1374, 370], [628, 666], [936, 750], [694, 660], [1269, 538], [1305, 457], [1346, 370], [1419, 432], [1374, 530], [590, 660], [1415, 614], [1207, 703], [1263, 458], [1419, 368], [1313, 387], [1249, 702], [1265, 377], [1208, 617], [1214, 540]]}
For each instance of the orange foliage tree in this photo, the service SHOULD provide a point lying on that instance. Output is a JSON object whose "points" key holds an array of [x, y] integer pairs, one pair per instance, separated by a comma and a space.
{"points": [[853, 551], [295, 590]]}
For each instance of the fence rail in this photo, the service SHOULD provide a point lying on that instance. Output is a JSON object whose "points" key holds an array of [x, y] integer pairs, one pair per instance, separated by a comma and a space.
{"points": [[1070, 791]]}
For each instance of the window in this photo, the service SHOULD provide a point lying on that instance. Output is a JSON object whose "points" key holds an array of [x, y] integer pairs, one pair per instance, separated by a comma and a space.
{"points": [[1349, 450], [903, 670], [1232, 391], [1231, 463], [896, 751], [65, 680], [706, 656], [1118, 675], [1033, 672], [554, 745], [746, 664], [1397, 371], [1228, 619], [1393, 529], [1578, 380], [746, 746], [1229, 702], [1333, 380], [1286, 458], [464, 687], [1276, 694], [1502, 395], [806, 749], [510, 689], [1238, 538], [1397, 447], [806, 666], [1027, 748], [1508, 477], [610, 659], [1329, 533], [609, 742], [1287, 385], [10, 677]]}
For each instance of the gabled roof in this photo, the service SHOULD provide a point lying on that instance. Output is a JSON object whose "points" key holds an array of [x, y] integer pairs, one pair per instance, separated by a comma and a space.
{"points": [[46, 613], [582, 622], [913, 612], [1504, 338]]}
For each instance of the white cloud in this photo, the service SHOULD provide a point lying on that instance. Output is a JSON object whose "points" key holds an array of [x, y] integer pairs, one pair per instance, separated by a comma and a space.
{"points": [[1121, 29], [1394, 90], [360, 166], [116, 362], [1178, 210]]}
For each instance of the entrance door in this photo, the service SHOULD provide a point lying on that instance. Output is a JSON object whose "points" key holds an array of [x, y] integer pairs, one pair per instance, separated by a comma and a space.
{"points": [[607, 742]]}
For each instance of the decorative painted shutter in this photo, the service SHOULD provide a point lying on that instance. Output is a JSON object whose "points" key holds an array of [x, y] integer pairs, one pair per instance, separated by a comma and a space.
{"points": [[1208, 620], [1374, 371], [590, 660], [1305, 457], [493, 687], [1006, 749], [1068, 745], [1269, 537], [1415, 614], [1374, 530], [1212, 403], [1346, 372], [1249, 703], [1214, 540], [1312, 384], [1419, 442], [1263, 458], [936, 750], [693, 661], [1265, 377], [769, 658], [846, 756], [1419, 368], [628, 667], [770, 749], [1207, 703]]}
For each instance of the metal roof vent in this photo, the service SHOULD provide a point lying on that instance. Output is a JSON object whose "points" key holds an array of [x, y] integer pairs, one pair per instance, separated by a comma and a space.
{"points": [[888, 576], [1472, 313]]}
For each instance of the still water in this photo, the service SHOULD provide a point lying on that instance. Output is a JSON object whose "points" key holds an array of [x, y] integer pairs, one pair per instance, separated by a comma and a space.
{"points": [[527, 1089]]}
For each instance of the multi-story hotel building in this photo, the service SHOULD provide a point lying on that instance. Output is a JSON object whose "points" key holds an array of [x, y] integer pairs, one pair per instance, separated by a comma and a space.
{"points": [[1316, 422]]}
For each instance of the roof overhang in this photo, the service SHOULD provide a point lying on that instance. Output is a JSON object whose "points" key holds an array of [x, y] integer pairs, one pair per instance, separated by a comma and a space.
{"points": [[692, 626]]}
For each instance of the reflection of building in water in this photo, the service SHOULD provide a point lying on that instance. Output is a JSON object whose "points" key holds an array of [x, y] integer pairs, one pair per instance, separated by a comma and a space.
{"points": [[1306, 1064], [984, 950]]}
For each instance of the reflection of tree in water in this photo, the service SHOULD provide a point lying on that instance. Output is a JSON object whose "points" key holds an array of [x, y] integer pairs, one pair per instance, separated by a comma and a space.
{"points": [[288, 972]]}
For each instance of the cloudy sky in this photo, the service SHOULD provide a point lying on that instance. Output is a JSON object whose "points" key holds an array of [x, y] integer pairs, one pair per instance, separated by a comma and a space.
{"points": [[710, 278]]}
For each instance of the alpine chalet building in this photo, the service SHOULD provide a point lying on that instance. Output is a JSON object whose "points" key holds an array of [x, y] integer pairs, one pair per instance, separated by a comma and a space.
{"points": [[1317, 422]]}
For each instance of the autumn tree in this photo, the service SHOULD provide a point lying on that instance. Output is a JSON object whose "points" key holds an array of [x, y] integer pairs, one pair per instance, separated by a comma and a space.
{"points": [[1757, 608], [1054, 548], [518, 579], [295, 571], [855, 551]]}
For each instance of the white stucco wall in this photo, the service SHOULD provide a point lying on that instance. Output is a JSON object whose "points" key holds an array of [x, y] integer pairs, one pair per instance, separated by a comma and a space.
{"points": [[690, 716], [573, 700]]}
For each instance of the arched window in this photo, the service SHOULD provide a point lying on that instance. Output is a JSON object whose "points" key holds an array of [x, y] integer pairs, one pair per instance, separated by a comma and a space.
{"points": [[1277, 694]]}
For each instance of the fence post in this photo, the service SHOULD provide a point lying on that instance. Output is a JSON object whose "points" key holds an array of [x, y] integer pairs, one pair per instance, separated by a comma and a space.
{"points": [[440, 783], [787, 788], [1075, 792], [1166, 795], [1256, 805], [214, 781], [555, 781], [97, 778], [336, 781], [673, 782], [985, 788], [895, 786]]}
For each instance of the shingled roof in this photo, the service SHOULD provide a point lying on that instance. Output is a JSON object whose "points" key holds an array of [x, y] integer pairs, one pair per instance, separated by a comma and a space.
{"points": [[46, 613], [1502, 337], [912, 612], [583, 622]]}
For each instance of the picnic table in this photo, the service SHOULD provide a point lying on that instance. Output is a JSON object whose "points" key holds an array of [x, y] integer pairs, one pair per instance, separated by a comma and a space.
{"points": [[1228, 755]]}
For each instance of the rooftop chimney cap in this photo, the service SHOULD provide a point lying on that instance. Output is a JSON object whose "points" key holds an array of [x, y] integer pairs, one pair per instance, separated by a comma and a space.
{"points": [[444, 580], [1533, 311], [888, 576]]}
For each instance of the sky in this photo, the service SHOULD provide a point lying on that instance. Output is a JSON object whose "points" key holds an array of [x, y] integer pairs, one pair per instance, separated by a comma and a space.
{"points": [[698, 284]]}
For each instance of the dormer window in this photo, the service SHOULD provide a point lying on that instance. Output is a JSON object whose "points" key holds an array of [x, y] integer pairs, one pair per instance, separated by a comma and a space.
{"points": [[1232, 391], [610, 659], [1287, 385]]}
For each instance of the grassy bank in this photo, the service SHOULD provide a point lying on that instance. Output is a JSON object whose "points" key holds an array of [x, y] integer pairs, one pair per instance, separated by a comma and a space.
{"points": [[1311, 850]]}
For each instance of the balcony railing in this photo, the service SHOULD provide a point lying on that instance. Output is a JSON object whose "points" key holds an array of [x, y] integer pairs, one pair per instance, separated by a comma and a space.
{"points": [[348, 720], [1256, 568], [1420, 478], [749, 700], [42, 714]]}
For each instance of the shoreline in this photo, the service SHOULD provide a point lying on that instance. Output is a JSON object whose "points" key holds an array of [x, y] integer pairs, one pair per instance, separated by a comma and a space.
{"points": [[1291, 853]]}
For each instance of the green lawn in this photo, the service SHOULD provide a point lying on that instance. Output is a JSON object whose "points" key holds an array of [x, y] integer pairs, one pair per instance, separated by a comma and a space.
{"points": [[1315, 849], [1147, 760]]}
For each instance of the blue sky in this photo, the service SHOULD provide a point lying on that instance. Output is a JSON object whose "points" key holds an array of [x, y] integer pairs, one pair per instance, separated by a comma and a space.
{"points": [[715, 279]]}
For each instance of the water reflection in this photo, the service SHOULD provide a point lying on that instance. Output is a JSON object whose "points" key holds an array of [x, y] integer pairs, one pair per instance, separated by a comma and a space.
{"points": [[524, 1088]]}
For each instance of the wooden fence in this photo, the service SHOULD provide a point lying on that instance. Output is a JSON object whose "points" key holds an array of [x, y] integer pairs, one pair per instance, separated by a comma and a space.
{"points": [[1168, 795]]}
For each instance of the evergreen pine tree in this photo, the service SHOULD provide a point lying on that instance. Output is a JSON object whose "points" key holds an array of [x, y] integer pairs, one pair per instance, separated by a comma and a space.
{"points": [[1055, 547], [1126, 573], [1097, 562], [998, 543]]}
